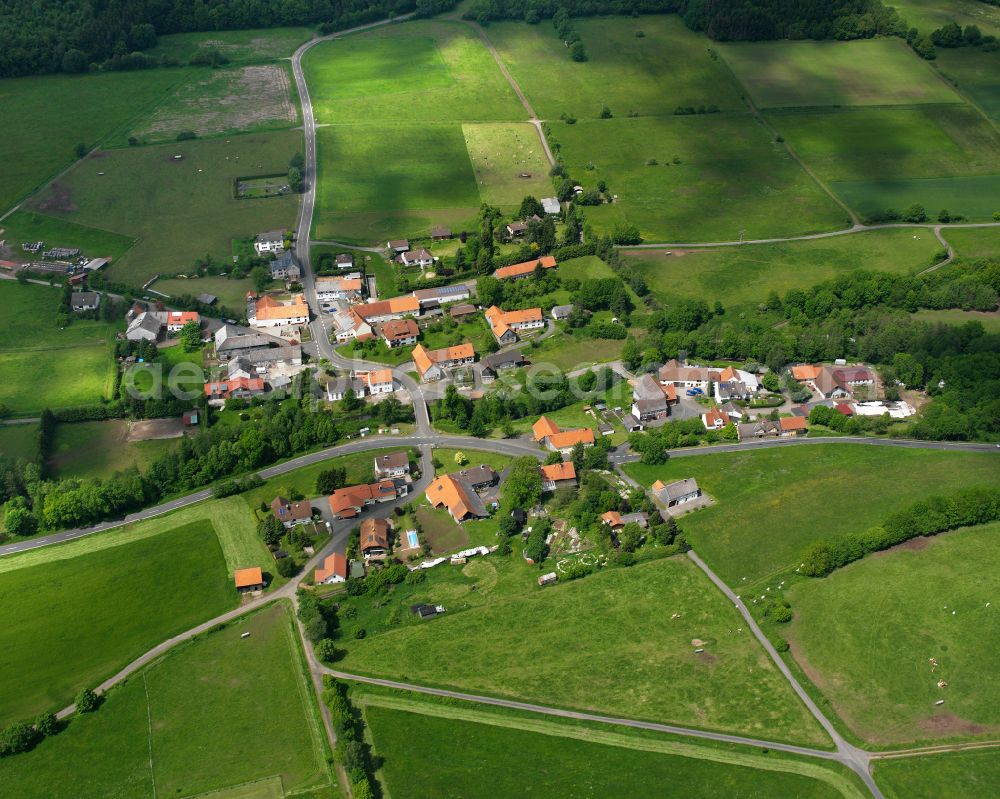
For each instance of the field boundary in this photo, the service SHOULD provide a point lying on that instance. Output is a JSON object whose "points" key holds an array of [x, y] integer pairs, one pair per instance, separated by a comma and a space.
{"points": [[149, 727]]}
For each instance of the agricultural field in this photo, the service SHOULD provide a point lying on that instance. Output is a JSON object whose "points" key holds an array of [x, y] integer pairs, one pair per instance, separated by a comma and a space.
{"points": [[178, 725], [19, 441], [975, 242], [869, 634], [861, 72], [224, 101], [584, 636], [501, 153], [624, 71], [63, 106], [954, 775], [392, 180], [99, 449], [804, 493], [59, 644], [22, 226], [975, 198], [180, 210], [928, 15], [44, 365], [975, 73], [240, 47], [741, 276], [694, 178], [988, 319], [423, 71], [454, 749]]}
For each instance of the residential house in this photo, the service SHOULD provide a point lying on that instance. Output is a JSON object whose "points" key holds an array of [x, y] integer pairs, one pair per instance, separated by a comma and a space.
{"points": [[548, 434], [759, 428], [462, 311], [398, 245], [240, 388], [377, 381], [240, 368], [649, 401], [480, 477], [499, 361], [177, 319], [715, 419], [249, 580], [344, 260], [337, 388], [348, 287], [81, 301], [272, 241], [400, 333], [268, 311], [834, 382], [144, 327], [729, 390], [687, 377], [433, 364], [440, 233], [792, 426], [452, 492], [559, 312], [392, 464], [616, 521], [443, 294], [384, 310], [420, 258], [507, 326], [733, 411], [286, 267], [551, 206], [349, 325], [680, 492], [333, 570], [557, 475], [525, 269], [748, 379], [346, 503], [374, 542], [516, 230], [291, 514]]}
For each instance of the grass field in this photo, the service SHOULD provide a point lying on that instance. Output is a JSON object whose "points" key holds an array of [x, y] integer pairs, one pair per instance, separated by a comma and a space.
{"points": [[231, 293], [974, 242], [739, 276], [730, 179], [606, 643], [24, 226], [456, 752], [424, 71], [224, 101], [500, 153], [474, 457], [989, 320], [927, 15], [64, 108], [669, 66], [862, 72], [43, 365], [892, 143], [179, 210], [975, 73], [975, 198], [71, 623], [180, 725], [263, 44], [956, 775], [99, 449], [804, 493], [865, 635], [392, 180], [19, 441]]}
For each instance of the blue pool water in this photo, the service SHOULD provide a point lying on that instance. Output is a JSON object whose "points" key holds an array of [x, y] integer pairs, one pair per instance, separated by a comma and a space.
{"points": [[411, 536]]}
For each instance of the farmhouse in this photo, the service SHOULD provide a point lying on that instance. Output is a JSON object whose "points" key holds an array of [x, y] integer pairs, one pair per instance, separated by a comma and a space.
{"points": [[291, 514], [687, 377], [144, 327], [392, 464], [249, 580], [258, 349], [833, 382], [433, 364], [399, 333], [84, 301], [677, 493], [267, 311], [461, 500], [557, 475], [346, 503], [377, 381], [548, 434], [508, 325], [442, 295], [269, 241], [337, 388], [714, 419], [649, 400], [349, 287], [420, 258], [286, 267], [177, 319], [333, 570], [396, 308], [374, 541]]}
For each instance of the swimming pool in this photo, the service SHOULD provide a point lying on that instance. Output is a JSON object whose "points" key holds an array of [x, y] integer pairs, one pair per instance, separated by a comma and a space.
{"points": [[412, 540]]}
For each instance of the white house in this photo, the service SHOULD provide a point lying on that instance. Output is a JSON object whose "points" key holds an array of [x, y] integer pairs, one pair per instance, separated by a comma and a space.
{"points": [[420, 258], [271, 241], [348, 287], [378, 381]]}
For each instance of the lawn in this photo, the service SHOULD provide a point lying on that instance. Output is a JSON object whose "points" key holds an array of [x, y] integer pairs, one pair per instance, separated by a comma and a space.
{"points": [[439, 530], [862, 72], [974, 242], [501, 153], [605, 644], [669, 66], [876, 144], [19, 441], [975, 73], [454, 750], [71, 623], [713, 177], [24, 226], [990, 320], [99, 449], [223, 101], [738, 276], [975, 198], [230, 293], [178, 725], [180, 210], [865, 636], [954, 775], [473, 457], [567, 353], [46, 117], [771, 504], [238, 46], [424, 71]]}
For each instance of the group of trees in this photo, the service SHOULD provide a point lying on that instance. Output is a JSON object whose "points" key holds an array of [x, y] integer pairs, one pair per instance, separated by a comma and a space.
{"points": [[351, 752], [951, 35]]}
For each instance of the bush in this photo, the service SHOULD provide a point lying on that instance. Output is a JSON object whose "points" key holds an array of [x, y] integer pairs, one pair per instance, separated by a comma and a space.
{"points": [[781, 645], [416, 577], [186, 135], [47, 724], [287, 567], [18, 737], [326, 650], [87, 701], [779, 611]]}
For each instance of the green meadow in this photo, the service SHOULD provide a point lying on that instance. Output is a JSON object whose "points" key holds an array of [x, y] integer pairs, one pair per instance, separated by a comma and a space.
{"points": [[738, 276], [667, 67], [927, 15], [694, 178], [988, 319], [953, 775], [805, 493], [975, 72], [99, 449], [975, 198], [22, 226], [423, 71], [19, 441], [868, 636], [607, 644], [256, 44], [862, 72], [212, 714], [974, 242], [178, 209], [508, 161]]}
